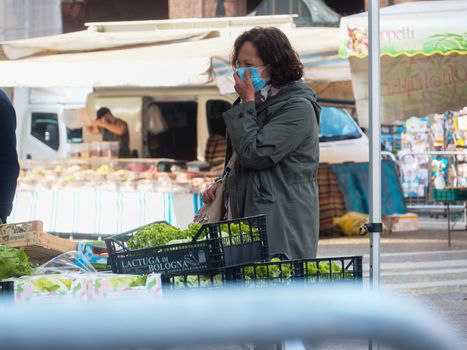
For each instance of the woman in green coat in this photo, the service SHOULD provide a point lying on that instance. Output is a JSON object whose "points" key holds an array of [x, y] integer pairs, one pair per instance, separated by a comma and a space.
{"points": [[273, 129]]}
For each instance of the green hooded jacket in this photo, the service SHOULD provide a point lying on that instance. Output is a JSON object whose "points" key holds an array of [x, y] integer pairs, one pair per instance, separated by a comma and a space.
{"points": [[277, 146]]}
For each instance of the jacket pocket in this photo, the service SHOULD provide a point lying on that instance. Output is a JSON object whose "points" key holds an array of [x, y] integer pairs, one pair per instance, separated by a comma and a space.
{"points": [[262, 189]]}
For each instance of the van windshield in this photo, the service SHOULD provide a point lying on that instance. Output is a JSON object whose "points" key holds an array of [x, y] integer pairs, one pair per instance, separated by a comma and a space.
{"points": [[336, 124]]}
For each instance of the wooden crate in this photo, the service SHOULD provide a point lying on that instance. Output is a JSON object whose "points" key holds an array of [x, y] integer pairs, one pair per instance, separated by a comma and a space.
{"points": [[39, 245]]}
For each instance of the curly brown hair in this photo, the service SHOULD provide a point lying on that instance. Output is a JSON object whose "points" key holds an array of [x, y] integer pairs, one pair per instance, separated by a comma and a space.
{"points": [[275, 50]]}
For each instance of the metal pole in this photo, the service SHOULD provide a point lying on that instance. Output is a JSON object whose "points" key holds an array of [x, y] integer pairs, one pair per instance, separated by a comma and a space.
{"points": [[374, 93], [375, 132]]}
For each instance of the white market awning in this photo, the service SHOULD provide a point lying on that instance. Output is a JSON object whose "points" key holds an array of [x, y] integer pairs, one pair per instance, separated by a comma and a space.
{"points": [[174, 64], [154, 58], [422, 27]]}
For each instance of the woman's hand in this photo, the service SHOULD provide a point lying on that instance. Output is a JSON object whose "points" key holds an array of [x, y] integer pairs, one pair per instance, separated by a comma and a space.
{"points": [[209, 193], [244, 88]]}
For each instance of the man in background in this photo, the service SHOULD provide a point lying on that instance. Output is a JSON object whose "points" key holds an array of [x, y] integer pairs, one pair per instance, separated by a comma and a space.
{"points": [[112, 129], [9, 167]]}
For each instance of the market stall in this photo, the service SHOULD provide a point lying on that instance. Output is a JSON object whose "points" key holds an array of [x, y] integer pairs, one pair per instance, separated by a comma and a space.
{"points": [[423, 59], [98, 197], [432, 154], [103, 196], [421, 71], [188, 56]]}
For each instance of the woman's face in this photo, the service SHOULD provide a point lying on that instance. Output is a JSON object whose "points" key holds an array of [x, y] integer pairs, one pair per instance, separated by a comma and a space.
{"points": [[248, 57]]}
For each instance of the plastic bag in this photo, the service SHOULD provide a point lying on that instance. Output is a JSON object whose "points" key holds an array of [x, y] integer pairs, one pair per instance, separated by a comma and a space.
{"points": [[73, 261], [351, 223]]}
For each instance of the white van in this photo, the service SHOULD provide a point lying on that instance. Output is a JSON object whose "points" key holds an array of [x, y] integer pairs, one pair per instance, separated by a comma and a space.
{"points": [[191, 115]]}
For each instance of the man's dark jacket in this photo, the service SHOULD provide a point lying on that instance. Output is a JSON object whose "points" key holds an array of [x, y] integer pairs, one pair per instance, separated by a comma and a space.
{"points": [[9, 167]]}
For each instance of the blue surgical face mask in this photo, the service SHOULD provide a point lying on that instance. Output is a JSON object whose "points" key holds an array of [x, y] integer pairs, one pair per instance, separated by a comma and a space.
{"points": [[255, 74]]}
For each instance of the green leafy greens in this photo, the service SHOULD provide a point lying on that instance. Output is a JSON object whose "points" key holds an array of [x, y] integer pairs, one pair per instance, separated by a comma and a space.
{"points": [[163, 234], [13, 262]]}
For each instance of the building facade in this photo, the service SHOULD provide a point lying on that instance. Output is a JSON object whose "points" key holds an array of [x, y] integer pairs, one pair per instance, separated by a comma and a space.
{"points": [[21, 19]]}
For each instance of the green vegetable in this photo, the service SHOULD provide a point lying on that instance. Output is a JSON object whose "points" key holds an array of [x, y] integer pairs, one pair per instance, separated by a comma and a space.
{"points": [[274, 271], [163, 234], [13, 262], [154, 235], [179, 241], [238, 233], [191, 231], [180, 282], [323, 267]]}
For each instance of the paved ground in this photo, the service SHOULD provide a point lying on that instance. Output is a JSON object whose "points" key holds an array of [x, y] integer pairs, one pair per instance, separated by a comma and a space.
{"points": [[419, 264]]}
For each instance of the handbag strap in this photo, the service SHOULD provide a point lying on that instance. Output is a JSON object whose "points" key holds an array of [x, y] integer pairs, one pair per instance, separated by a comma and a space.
{"points": [[230, 164]]}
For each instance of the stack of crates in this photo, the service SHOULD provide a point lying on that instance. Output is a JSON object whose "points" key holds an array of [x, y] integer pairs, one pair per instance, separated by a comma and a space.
{"points": [[233, 252]]}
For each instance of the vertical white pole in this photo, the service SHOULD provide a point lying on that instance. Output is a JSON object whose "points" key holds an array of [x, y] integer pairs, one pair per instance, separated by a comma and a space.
{"points": [[375, 132], [374, 94]]}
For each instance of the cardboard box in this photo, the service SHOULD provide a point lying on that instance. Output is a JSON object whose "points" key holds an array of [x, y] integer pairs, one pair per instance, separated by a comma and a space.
{"points": [[401, 222], [39, 245], [63, 288], [51, 289]]}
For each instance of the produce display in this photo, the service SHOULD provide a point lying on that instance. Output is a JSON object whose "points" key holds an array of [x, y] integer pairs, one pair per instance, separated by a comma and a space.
{"points": [[163, 234], [117, 175], [198, 248], [239, 245], [273, 271]]}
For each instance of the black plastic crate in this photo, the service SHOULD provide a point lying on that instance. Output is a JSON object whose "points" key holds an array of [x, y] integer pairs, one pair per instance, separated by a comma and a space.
{"points": [[450, 194], [213, 247], [285, 272]]}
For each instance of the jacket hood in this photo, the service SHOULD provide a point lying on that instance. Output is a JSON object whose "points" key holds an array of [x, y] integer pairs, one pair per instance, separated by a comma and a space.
{"points": [[296, 89]]}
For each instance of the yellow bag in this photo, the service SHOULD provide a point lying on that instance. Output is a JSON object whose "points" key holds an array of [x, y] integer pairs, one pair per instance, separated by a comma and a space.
{"points": [[351, 223]]}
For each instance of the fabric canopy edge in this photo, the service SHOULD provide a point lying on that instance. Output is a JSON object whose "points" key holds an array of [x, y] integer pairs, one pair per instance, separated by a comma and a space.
{"points": [[407, 53]]}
